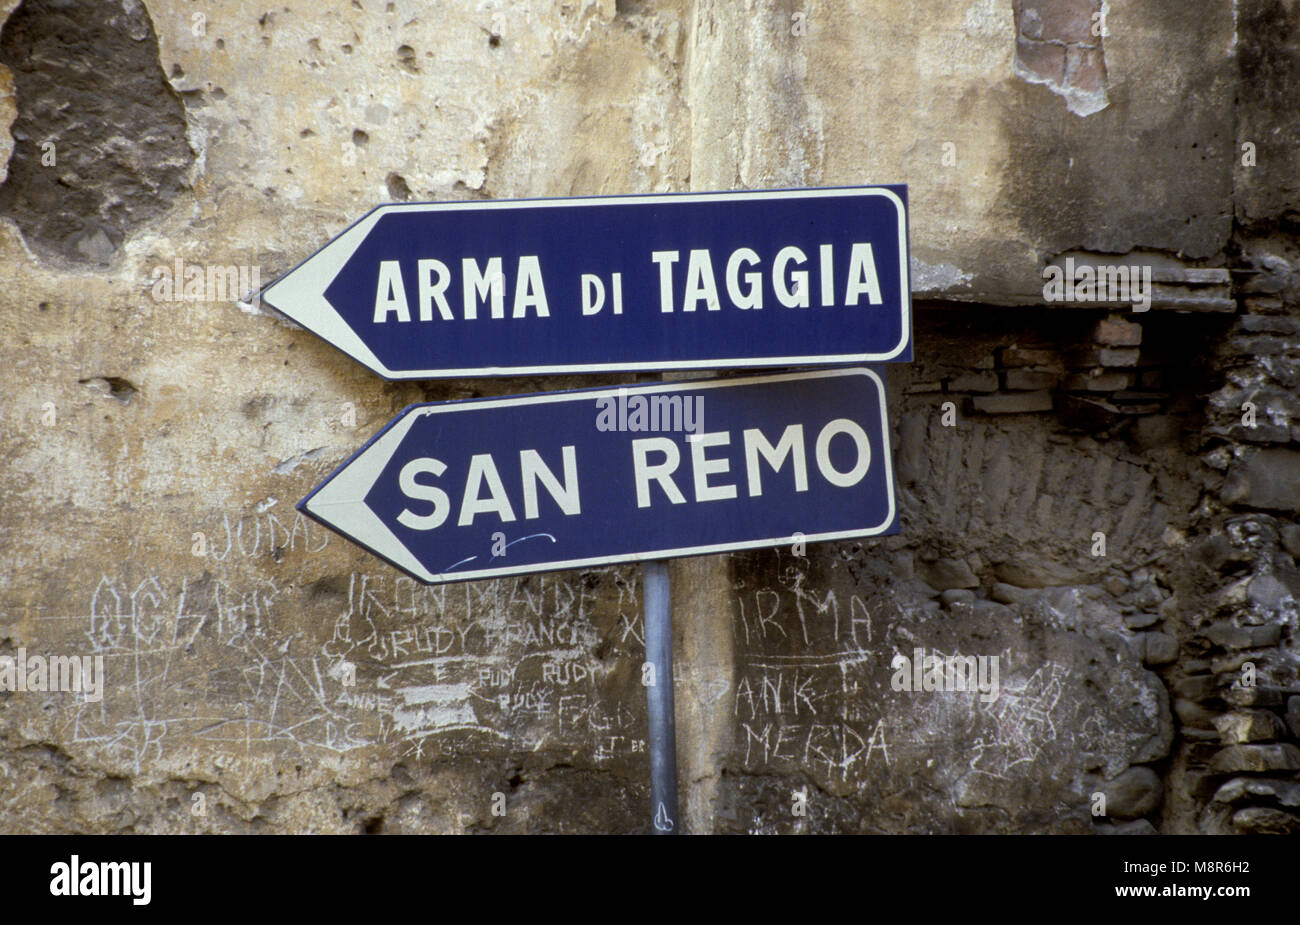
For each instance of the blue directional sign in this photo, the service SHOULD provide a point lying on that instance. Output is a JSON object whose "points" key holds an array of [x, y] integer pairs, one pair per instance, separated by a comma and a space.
{"points": [[682, 281], [462, 490]]}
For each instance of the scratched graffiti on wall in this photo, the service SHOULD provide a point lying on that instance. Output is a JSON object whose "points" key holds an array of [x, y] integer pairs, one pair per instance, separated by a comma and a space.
{"points": [[521, 664], [815, 650]]}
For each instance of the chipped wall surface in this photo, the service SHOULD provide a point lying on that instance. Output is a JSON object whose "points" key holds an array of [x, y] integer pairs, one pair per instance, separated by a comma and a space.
{"points": [[1105, 501]]}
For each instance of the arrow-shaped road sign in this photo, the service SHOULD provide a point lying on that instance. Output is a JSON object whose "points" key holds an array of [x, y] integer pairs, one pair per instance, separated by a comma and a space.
{"points": [[478, 489], [680, 281]]}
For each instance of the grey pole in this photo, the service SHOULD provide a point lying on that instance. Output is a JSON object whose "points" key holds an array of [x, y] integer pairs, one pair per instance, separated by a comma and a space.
{"points": [[659, 696]]}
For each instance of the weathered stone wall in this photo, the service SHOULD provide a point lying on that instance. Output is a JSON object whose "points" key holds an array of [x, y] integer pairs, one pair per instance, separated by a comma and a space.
{"points": [[1106, 500]]}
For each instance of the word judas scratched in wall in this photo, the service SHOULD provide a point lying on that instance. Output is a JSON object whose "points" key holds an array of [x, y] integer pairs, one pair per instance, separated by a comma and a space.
{"points": [[768, 278], [465, 490]]}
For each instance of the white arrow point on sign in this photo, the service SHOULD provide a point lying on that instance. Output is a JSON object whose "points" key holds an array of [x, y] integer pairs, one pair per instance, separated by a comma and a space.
{"points": [[300, 293], [341, 501]]}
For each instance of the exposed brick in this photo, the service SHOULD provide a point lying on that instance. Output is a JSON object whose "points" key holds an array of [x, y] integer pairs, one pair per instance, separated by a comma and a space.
{"points": [[1140, 619], [1030, 379], [1283, 757], [974, 382], [1198, 276], [1249, 726], [1196, 687], [1264, 345], [1159, 648], [1123, 357], [1041, 59], [1018, 355], [1268, 479], [1244, 788], [1119, 356], [1184, 299], [1255, 696], [1085, 69], [919, 387], [1263, 282], [1201, 753], [1118, 332], [1098, 380], [1018, 403], [1190, 713], [1270, 324], [1058, 20], [1265, 820], [1264, 306], [1029, 21]]}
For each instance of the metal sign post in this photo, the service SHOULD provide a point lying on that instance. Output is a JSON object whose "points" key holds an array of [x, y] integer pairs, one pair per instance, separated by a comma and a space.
{"points": [[659, 696]]}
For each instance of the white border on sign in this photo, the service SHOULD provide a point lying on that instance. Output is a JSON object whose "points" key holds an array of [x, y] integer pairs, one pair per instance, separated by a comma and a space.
{"points": [[304, 286], [344, 492]]}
